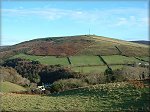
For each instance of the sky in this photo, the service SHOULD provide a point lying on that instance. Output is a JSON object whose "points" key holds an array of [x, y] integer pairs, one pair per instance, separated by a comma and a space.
{"points": [[30, 19]]}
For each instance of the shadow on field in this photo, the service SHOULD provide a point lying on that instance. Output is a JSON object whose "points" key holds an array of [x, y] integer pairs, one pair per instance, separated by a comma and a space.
{"points": [[81, 92], [140, 103], [121, 99]]}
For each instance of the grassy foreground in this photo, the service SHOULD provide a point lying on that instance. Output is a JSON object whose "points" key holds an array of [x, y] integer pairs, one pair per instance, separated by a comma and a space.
{"points": [[102, 97], [10, 87]]}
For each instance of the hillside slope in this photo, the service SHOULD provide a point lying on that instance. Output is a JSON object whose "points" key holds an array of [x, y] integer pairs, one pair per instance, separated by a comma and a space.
{"points": [[77, 45], [104, 97], [10, 87]]}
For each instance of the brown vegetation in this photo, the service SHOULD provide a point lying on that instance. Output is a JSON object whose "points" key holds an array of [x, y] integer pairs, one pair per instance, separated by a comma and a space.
{"points": [[9, 74], [75, 45]]}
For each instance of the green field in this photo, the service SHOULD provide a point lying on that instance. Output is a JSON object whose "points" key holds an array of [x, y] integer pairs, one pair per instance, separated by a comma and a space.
{"points": [[24, 56], [80, 60], [86, 60], [10, 87], [102, 97], [145, 58], [90, 69], [52, 60], [95, 69], [49, 60], [81, 63], [118, 59]]}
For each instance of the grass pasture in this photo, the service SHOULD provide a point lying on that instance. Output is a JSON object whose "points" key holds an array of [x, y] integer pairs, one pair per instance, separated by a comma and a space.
{"points": [[90, 69], [102, 97], [84, 63], [53, 60], [30, 57], [81, 60], [49, 60], [85, 60], [118, 59], [95, 69], [145, 58], [10, 87]]}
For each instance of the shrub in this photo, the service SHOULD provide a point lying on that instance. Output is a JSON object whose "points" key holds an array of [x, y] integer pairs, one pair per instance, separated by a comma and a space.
{"points": [[130, 73], [119, 77], [38, 73], [47, 92], [66, 84], [26, 68], [109, 75], [53, 74], [95, 78], [135, 73]]}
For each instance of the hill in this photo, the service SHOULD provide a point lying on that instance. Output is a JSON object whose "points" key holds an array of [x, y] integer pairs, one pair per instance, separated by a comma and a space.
{"points": [[142, 42], [1, 47], [76, 45], [75, 68], [10, 87]]}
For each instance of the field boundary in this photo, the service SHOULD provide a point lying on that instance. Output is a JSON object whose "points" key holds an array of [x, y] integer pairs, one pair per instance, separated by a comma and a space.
{"points": [[120, 52], [69, 61], [102, 65], [141, 59], [101, 58]]}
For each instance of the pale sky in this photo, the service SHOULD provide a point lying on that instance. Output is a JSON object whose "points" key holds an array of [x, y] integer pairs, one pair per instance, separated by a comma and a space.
{"points": [[26, 20]]}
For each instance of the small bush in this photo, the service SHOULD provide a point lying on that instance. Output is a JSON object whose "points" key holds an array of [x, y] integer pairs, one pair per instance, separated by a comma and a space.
{"points": [[130, 73], [47, 92], [109, 75], [95, 78], [66, 84], [119, 77]]}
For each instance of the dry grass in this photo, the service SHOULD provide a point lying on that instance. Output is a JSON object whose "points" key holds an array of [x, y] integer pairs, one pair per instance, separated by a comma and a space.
{"points": [[102, 97]]}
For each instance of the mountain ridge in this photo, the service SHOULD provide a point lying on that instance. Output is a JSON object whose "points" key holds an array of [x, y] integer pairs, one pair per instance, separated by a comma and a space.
{"points": [[141, 42], [77, 45]]}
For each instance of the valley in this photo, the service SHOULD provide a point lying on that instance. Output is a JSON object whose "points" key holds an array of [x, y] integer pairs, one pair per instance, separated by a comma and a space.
{"points": [[78, 73]]}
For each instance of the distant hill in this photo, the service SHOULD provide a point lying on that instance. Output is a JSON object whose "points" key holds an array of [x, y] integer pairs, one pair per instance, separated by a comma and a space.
{"points": [[142, 42], [76, 45], [1, 47]]}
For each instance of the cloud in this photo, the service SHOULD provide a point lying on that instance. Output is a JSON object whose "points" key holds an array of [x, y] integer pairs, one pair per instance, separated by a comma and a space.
{"points": [[132, 21], [116, 17], [145, 21], [46, 13], [128, 21], [122, 21]]}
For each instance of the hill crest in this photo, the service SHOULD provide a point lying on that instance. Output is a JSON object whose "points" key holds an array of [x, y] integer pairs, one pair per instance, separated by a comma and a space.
{"points": [[77, 45]]}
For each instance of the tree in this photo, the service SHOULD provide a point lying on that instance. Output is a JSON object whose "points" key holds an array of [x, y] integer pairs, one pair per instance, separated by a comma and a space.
{"points": [[109, 75], [36, 78]]}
